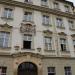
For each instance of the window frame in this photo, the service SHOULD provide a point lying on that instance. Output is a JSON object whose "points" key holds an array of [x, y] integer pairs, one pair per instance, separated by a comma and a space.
{"points": [[64, 44], [5, 14], [27, 39], [68, 70], [44, 3], [53, 70], [29, 16], [4, 39], [46, 20], [59, 22], [48, 46], [1, 70]]}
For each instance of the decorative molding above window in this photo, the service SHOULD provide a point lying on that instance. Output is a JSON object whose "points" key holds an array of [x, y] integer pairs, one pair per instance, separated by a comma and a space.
{"points": [[27, 29], [73, 35], [5, 27], [62, 33], [48, 31], [28, 1]]}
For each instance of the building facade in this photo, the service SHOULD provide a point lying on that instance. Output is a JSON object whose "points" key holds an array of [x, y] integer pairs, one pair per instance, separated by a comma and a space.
{"points": [[37, 37]]}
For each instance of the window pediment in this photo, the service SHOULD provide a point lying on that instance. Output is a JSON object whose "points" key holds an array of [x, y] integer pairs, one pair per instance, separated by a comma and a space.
{"points": [[47, 31], [5, 27], [62, 33], [73, 35]]}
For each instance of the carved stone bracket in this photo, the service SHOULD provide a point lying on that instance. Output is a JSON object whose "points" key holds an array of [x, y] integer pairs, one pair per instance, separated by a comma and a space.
{"points": [[27, 28]]}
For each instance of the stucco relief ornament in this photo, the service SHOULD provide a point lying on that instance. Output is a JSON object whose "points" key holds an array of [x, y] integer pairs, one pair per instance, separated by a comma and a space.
{"points": [[27, 28]]}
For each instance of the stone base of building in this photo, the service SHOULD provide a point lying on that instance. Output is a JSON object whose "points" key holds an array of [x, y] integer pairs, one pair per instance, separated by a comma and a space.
{"points": [[12, 63]]}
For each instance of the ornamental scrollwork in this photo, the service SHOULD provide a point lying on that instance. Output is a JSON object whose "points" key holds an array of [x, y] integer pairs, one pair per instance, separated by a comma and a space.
{"points": [[27, 28]]}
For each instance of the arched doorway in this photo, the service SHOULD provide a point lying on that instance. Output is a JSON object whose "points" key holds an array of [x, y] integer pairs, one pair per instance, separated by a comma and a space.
{"points": [[27, 68]]}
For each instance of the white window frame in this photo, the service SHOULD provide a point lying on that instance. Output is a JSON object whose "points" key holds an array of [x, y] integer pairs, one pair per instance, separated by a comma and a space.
{"points": [[63, 42], [51, 70], [48, 44], [3, 36], [67, 8], [29, 1], [8, 13], [44, 3], [56, 5], [28, 17], [45, 20], [71, 24], [59, 22], [28, 37]]}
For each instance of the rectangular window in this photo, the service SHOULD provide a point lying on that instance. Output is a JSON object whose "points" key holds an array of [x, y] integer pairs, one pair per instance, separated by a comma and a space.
{"points": [[8, 13], [46, 20], [3, 70], [27, 42], [28, 16], [56, 6], [59, 22], [71, 24], [51, 70], [74, 43], [4, 39], [28, 1], [44, 2], [67, 9], [63, 44], [67, 70], [48, 43]]}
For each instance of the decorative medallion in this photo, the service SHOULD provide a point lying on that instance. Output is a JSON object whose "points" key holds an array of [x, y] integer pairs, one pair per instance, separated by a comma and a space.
{"points": [[27, 28]]}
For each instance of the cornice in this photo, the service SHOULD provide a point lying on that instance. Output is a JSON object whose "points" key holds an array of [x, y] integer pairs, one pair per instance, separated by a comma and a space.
{"points": [[37, 8]]}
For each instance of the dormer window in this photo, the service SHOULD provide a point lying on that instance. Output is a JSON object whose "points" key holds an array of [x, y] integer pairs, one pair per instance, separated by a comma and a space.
{"points": [[56, 6], [67, 9], [28, 1], [44, 2], [71, 24]]}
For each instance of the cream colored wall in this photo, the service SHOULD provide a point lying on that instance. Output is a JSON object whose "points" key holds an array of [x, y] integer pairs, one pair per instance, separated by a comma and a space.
{"points": [[59, 65], [38, 38], [7, 62]]}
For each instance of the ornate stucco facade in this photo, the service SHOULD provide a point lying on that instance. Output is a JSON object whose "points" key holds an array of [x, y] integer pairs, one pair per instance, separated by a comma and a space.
{"points": [[13, 55]]}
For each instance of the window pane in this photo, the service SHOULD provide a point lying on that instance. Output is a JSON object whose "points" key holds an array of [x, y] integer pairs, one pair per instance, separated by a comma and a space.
{"points": [[4, 39]]}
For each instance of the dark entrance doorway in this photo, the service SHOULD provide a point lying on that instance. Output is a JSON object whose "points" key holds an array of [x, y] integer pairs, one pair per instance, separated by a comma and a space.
{"points": [[27, 68]]}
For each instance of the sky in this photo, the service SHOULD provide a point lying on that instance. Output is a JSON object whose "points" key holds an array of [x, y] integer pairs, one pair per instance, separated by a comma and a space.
{"points": [[72, 1]]}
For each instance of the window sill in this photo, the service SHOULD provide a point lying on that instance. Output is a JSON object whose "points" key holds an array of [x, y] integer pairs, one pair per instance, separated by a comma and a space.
{"points": [[5, 18], [49, 51], [61, 27], [73, 29], [65, 51], [27, 49], [28, 2], [5, 48], [46, 6], [46, 24], [28, 21], [57, 9]]}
